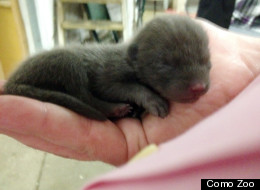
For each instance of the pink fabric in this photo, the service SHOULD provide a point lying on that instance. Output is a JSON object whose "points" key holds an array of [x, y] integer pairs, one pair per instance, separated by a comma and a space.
{"points": [[224, 145]]}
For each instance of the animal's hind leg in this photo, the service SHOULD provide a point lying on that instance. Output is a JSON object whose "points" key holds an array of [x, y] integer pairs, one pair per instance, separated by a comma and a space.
{"points": [[110, 109], [116, 110], [79, 88]]}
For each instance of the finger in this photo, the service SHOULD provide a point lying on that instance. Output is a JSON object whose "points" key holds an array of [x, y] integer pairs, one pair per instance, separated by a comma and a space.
{"points": [[135, 136], [61, 127]]}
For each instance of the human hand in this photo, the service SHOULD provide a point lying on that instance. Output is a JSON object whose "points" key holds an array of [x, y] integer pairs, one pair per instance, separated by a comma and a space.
{"points": [[235, 63]]}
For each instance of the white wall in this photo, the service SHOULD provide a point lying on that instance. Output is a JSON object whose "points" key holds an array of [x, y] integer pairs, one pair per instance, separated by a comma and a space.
{"points": [[38, 19], [45, 15]]}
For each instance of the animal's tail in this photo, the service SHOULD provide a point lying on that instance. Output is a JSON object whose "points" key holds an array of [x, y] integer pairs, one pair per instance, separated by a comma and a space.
{"points": [[55, 97]]}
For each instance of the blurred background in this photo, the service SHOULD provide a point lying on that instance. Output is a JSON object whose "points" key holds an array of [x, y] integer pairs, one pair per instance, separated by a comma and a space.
{"points": [[29, 26]]}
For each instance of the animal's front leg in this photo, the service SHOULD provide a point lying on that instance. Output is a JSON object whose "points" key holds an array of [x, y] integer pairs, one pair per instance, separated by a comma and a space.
{"points": [[153, 103]]}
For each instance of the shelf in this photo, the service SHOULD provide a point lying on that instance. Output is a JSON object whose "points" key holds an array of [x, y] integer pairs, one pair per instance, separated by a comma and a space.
{"points": [[92, 1], [93, 25]]}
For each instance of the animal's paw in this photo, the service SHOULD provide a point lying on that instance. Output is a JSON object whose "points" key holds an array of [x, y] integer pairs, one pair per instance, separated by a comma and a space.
{"points": [[121, 110], [158, 107]]}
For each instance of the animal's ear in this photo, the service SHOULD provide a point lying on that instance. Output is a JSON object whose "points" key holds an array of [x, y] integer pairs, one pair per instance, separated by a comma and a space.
{"points": [[132, 51]]}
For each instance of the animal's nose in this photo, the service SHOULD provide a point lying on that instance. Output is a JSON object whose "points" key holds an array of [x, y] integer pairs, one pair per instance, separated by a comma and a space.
{"points": [[198, 88]]}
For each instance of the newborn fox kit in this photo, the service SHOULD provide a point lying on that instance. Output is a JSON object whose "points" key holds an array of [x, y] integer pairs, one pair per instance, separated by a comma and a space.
{"points": [[168, 59]]}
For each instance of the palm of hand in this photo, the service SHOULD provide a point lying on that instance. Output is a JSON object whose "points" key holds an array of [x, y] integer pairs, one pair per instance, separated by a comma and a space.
{"points": [[57, 130]]}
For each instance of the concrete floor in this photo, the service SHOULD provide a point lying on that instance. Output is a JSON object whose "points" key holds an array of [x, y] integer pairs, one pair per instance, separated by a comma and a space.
{"points": [[24, 168]]}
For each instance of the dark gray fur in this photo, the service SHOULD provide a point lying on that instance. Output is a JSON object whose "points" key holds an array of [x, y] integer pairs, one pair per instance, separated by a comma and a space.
{"points": [[162, 62]]}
